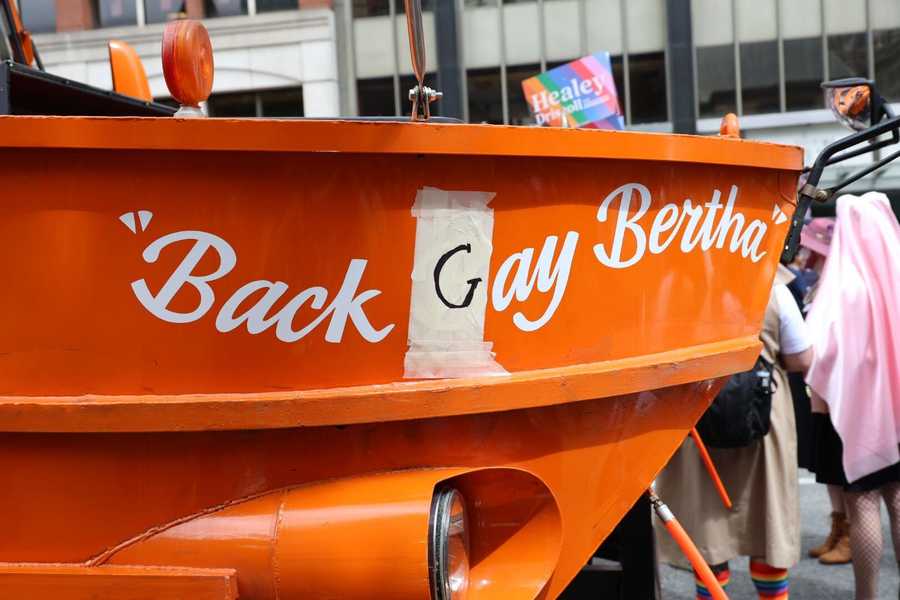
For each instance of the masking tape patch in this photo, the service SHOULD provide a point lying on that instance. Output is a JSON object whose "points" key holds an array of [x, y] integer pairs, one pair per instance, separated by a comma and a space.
{"points": [[454, 232]]}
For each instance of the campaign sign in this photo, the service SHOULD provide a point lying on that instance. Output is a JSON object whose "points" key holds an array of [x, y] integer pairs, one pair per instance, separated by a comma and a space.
{"points": [[581, 93]]}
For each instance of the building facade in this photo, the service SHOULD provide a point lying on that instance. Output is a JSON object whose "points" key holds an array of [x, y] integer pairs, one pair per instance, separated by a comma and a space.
{"points": [[273, 57], [679, 64]]}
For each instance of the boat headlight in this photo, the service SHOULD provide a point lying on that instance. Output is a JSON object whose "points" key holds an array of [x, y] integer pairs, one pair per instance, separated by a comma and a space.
{"points": [[448, 546]]}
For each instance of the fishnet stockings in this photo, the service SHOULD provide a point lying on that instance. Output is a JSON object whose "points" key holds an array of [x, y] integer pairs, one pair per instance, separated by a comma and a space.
{"points": [[864, 512]]}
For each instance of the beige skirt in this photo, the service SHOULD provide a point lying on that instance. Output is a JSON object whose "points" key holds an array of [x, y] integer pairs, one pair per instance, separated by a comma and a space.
{"points": [[761, 480]]}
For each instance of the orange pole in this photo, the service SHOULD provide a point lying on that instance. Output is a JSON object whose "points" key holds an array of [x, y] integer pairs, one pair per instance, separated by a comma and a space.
{"points": [[711, 468], [688, 548], [23, 34]]}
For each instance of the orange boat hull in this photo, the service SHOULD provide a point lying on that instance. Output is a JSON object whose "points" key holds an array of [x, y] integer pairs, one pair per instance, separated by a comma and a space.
{"points": [[218, 330], [79, 495]]}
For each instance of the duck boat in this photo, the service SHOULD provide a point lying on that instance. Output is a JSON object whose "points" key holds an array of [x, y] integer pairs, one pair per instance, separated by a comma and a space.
{"points": [[265, 358], [217, 330]]}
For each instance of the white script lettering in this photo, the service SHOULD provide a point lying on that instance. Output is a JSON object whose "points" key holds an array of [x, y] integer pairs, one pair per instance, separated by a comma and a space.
{"points": [[623, 224], [696, 224], [158, 304], [346, 305], [545, 274]]}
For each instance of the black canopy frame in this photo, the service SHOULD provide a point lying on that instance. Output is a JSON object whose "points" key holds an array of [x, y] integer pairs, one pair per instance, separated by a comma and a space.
{"points": [[856, 144]]}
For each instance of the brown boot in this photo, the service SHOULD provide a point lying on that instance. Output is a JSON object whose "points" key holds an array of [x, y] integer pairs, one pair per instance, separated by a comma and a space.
{"points": [[840, 554], [836, 520]]}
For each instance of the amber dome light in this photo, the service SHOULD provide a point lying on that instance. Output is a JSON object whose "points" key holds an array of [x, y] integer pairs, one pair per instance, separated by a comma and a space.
{"points": [[187, 60]]}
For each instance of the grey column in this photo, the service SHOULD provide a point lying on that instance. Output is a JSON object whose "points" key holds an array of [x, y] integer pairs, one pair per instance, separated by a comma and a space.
{"points": [[344, 43], [681, 66], [449, 65]]}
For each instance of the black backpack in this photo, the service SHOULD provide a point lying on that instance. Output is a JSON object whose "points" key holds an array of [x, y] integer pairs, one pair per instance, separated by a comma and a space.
{"points": [[740, 413]]}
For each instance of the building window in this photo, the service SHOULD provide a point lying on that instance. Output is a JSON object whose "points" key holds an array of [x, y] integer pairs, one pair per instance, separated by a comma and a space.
{"points": [[519, 111], [485, 98], [371, 8], [240, 104], [378, 8], [38, 16], [160, 11], [803, 73], [224, 8], [847, 56], [117, 13], [286, 102], [759, 77], [714, 56], [273, 5], [753, 33], [716, 81], [400, 6], [618, 69], [375, 97], [887, 62], [647, 84], [800, 24]]}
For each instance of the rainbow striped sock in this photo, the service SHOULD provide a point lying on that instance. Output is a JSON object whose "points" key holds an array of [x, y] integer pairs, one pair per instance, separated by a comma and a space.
{"points": [[770, 583], [723, 575]]}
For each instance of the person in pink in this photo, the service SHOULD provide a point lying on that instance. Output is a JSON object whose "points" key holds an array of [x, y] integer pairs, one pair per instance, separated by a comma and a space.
{"points": [[855, 375], [815, 241]]}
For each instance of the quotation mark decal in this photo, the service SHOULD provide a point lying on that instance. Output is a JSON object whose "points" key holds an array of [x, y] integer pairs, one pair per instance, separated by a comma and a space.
{"points": [[133, 220], [778, 215]]}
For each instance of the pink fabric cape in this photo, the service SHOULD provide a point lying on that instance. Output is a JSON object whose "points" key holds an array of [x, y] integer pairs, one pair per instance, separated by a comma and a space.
{"points": [[855, 327]]}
